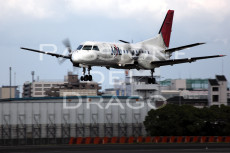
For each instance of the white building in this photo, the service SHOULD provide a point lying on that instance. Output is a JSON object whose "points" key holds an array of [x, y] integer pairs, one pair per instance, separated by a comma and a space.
{"points": [[217, 91]]}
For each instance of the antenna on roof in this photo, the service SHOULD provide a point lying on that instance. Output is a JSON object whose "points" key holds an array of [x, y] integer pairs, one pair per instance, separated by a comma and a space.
{"points": [[10, 69], [222, 65], [32, 73], [15, 78]]}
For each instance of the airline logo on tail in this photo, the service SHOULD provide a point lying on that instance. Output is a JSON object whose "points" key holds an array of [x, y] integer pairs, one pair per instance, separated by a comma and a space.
{"points": [[166, 27]]}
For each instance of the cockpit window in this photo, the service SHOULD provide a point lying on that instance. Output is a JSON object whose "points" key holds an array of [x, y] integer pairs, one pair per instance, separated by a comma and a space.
{"points": [[87, 47], [79, 47], [95, 48]]}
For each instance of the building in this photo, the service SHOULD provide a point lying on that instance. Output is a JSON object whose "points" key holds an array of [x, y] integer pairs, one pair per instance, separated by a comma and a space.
{"points": [[74, 87], [71, 86], [199, 92], [111, 92], [45, 121], [185, 84], [6, 90], [38, 88], [217, 91], [135, 84]]}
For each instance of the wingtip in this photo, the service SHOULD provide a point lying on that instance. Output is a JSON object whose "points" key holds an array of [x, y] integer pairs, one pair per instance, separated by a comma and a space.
{"points": [[222, 55]]}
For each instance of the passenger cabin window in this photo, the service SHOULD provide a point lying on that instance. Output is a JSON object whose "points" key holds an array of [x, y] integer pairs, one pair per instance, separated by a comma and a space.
{"points": [[95, 48], [87, 47], [79, 47]]}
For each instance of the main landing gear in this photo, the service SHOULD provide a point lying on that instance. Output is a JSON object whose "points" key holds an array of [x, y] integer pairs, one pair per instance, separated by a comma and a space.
{"points": [[152, 80], [86, 77]]}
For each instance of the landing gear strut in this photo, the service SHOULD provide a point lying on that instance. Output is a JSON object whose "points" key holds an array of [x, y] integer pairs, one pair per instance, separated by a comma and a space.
{"points": [[86, 77], [152, 80]]}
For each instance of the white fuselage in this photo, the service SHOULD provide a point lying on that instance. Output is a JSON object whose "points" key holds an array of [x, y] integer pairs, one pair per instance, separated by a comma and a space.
{"points": [[118, 55]]}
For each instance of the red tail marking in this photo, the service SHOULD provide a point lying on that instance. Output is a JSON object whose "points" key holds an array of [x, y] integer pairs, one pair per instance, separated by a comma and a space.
{"points": [[167, 27]]}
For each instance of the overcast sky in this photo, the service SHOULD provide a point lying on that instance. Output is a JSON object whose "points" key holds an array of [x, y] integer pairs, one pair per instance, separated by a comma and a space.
{"points": [[29, 23]]}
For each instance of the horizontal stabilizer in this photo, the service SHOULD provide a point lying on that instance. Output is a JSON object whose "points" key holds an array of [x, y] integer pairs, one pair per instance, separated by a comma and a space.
{"points": [[182, 47], [52, 54], [184, 60], [124, 41]]}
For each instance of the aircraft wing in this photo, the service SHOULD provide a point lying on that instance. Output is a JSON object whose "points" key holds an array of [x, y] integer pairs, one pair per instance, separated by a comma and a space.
{"points": [[184, 60], [182, 47], [52, 54]]}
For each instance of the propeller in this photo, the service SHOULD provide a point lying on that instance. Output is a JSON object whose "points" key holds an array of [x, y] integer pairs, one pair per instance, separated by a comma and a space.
{"points": [[67, 44]]}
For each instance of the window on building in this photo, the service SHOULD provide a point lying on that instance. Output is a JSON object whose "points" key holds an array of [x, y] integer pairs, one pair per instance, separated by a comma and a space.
{"points": [[46, 89], [38, 89], [215, 89], [46, 85], [215, 98], [38, 85], [38, 93]]}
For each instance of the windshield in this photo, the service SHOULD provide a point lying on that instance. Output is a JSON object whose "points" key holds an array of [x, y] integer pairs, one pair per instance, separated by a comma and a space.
{"points": [[79, 47], [87, 47], [95, 48]]}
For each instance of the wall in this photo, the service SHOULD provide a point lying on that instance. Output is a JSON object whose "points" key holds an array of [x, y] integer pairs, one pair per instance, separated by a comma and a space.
{"points": [[46, 118]]}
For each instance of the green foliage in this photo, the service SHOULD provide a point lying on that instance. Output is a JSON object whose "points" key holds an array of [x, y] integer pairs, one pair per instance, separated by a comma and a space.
{"points": [[175, 120]]}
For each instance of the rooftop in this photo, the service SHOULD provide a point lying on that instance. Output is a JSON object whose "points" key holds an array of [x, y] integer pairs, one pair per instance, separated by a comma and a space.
{"points": [[221, 78], [213, 82]]}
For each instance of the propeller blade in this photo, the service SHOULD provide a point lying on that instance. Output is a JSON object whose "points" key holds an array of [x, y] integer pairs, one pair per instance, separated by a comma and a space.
{"points": [[66, 42], [61, 61]]}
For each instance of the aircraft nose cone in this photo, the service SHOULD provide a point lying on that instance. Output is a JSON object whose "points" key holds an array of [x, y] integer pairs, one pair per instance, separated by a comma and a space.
{"points": [[74, 57], [83, 56]]}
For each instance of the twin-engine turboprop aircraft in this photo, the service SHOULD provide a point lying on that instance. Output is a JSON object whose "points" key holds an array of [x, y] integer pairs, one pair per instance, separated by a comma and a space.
{"points": [[147, 55]]}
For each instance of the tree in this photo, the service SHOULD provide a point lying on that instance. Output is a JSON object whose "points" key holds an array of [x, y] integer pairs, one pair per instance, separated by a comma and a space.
{"points": [[187, 120]]}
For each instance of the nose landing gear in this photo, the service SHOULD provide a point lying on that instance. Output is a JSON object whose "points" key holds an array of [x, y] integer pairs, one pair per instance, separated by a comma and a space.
{"points": [[152, 80], [86, 77]]}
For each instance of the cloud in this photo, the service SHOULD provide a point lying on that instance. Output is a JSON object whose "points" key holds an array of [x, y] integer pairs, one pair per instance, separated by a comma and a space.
{"points": [[118, 8], [136, 9], [149, 8], [27, 8]]}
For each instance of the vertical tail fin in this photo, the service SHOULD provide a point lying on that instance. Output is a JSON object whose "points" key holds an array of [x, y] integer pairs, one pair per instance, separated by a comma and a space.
{"points": [[163, 38], [166, 27]]}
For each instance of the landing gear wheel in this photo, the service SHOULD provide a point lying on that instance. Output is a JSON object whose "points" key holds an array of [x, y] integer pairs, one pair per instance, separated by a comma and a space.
{"points": [[86, 77], [82, 78], [153, 81], [90, 78], [149, 80]]}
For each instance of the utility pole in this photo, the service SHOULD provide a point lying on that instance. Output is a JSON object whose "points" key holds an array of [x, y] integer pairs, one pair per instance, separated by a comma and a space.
{"points": [[10, 82], [32, 73]]}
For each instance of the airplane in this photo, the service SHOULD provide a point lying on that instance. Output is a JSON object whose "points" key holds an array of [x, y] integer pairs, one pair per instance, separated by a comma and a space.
{"points": [[147, 55]]}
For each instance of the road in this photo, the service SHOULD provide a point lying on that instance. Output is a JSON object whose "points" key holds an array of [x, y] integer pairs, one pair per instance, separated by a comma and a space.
{"points": [[120, 148]]}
